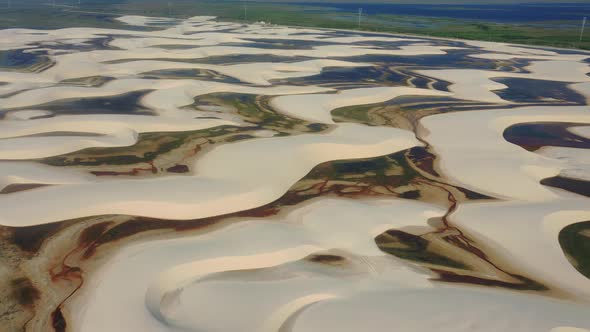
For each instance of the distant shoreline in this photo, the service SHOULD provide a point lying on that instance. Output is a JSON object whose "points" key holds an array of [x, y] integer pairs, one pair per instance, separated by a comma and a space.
{"points": [[558, 31]]}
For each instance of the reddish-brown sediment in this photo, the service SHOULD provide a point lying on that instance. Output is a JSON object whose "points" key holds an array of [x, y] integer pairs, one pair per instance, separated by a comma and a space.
{"points": [[409, 174], [178, 169], [405, 172], [319, 182], [452, 277]]}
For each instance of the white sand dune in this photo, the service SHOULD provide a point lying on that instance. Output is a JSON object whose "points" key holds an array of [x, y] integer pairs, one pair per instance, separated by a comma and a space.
{"points": [[505, 51], [144, 45], [524, 234], [207, 280], [470, 84], [583, 89], [209, 38], [182, 273], [111, 130], [147, 21], [477, 85], [28, 172], [577, 161], [471, 144], [256, 73], [506, 48], [230, 178], [443, 309], [583, 131], [317, 107], [522, 231], [26, 114], [185, 90]]}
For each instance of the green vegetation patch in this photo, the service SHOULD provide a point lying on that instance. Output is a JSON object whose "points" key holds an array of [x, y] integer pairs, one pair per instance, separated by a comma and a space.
{"points": [[358, 114], [413, 248], [92, 13], [575, 242], [392, 170], [148, 147]]}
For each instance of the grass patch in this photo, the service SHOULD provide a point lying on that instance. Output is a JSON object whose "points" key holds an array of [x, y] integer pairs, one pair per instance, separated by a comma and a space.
{"points": [[575, 242]]}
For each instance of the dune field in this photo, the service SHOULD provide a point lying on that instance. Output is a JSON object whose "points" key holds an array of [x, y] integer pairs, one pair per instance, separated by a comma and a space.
{"points": [[199, 175]]}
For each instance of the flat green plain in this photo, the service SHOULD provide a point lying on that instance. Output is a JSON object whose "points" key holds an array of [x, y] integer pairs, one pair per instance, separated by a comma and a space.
{"points": [[95, 13]]}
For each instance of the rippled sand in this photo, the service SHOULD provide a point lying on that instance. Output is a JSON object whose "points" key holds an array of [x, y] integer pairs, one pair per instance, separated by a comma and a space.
{"points": [[216, 176]]}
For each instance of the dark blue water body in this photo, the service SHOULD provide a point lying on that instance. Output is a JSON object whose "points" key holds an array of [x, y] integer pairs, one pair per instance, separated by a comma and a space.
{"points": [[534, 135], [128, 103], [580, 187], [522, 90], [509, 13], [95, 44], [19, 58], [351, 78], [454, 59], [231, 59]]}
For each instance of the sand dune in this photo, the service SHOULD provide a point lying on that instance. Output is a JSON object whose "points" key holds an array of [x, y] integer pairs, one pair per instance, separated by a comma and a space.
{"points": [[478, 84], [581, 130], [517, 171], [525, 234], [577, 161], [176, 266], [317, 107], [471, 310], [230, 178]]}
